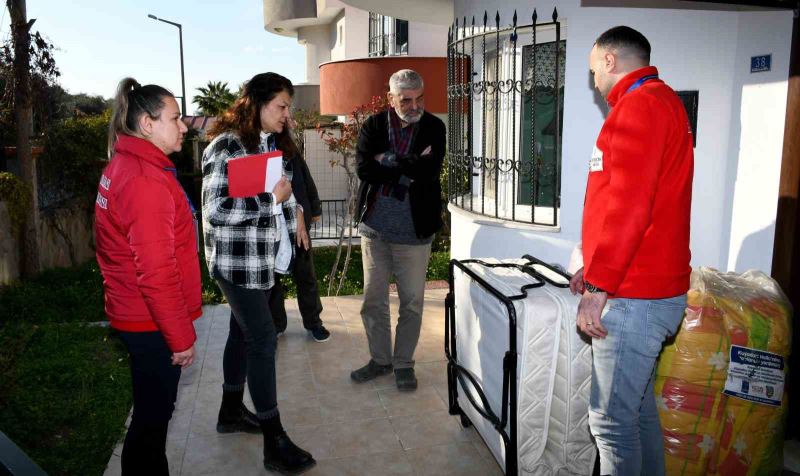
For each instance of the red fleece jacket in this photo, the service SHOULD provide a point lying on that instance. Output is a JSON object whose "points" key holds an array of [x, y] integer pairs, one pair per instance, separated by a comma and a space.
{"points": [[637, 210], [146, 245]]}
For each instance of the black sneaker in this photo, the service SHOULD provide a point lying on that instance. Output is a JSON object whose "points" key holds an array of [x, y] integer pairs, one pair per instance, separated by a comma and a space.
{"points": [[405, 379], [370, 371], [320, 334]]}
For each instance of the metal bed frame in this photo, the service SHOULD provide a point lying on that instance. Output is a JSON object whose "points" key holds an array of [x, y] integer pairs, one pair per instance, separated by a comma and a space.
{"points": [[458, 374]]}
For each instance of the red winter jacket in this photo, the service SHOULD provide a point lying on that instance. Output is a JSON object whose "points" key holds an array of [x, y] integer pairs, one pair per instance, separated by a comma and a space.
{"points": [[637, 210], [146, 245]]}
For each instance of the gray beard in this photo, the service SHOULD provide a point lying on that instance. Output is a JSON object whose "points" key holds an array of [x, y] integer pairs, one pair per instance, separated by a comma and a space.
{"points": [[410, 119]]}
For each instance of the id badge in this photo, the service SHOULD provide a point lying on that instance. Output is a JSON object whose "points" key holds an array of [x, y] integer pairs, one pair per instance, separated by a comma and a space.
{"points": [[596, 162]]}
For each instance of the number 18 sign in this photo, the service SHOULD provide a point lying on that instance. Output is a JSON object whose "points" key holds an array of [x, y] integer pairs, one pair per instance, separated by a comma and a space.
{"points": [[761, 63]]}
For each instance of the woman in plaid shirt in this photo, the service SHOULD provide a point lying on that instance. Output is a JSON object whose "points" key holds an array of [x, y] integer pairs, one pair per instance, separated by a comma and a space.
{"points": [[248, 240]]}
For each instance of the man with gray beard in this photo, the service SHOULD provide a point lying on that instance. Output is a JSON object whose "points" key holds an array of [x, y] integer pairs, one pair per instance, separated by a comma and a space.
{"points": [[399, 156]]}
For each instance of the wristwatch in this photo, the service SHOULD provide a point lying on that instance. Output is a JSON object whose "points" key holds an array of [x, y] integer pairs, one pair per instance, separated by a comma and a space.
{"points": [[592, 288]]}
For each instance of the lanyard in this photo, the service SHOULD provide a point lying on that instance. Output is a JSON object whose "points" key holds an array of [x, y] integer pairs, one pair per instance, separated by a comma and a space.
{"points": [[641, 81]]}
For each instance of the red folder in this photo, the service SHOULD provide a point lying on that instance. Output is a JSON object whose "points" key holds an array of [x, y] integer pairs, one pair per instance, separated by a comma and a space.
{"points": [[253, 174]]}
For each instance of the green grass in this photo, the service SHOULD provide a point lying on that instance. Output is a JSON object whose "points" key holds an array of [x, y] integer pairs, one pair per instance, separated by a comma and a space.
{"points": [[64, 399], [64, 385], [56, 295]]}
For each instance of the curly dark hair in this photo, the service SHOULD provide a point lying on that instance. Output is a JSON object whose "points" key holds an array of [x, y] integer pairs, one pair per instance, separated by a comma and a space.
{"points": [[243, 118]]}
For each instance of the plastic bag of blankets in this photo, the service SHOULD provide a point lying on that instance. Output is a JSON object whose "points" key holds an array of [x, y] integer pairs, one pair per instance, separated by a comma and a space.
{"points": [[720, 384]]}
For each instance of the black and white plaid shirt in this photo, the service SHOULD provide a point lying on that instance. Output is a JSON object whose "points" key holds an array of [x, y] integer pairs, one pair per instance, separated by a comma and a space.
{"points": [[241, 234]]}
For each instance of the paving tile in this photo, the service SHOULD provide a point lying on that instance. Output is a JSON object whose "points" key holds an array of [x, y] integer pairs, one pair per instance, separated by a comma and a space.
{"points": [[204, 418], [351, 429], [460, 459], [300, 411], [237, 453], [393, 463], [422, 400], [364, 437], [346, 405], [488, 457], [431, 372], [292, 363], [315, 439], [296, 386], [428, 429]]}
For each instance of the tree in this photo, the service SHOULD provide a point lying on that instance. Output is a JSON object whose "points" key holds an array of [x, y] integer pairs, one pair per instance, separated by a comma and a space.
{"points": [[214, 99], [47, 97], [343, 142], [23, 115]]}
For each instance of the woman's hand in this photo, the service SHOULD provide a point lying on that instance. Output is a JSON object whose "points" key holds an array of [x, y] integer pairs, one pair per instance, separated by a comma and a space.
{"points": [[303, 241], [283, 190], [185, 358], [316, 218]]}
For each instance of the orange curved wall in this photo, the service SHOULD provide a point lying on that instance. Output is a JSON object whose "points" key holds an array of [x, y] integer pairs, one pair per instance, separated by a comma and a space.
{"points": [[344, 85]]}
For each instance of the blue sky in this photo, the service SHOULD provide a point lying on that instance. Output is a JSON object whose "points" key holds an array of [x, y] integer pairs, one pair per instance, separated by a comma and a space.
{"points": [[100, 42]]}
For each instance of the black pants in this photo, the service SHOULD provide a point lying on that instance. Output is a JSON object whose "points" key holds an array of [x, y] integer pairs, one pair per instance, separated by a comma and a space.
{"points": [[155, 388], [307, 292], [250, 349]]}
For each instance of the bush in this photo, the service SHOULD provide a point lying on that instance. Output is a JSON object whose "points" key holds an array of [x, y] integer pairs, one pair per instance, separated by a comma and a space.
{"points": [[75, 152], [17, 196]]}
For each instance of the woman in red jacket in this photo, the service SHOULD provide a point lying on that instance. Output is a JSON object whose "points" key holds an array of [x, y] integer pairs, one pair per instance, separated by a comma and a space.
{"points": [[147, 251]]}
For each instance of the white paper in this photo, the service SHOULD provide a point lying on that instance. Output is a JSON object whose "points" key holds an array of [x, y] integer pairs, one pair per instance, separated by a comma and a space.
{"points": [[274, 173]]}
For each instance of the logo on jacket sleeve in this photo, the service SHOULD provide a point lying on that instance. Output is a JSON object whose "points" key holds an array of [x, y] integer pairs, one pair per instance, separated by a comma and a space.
{"points": [[105, 182], [596, 162], [101, 201]]}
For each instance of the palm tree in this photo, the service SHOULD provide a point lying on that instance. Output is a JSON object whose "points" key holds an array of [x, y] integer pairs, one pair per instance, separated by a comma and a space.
{"points": [[214, 99]]}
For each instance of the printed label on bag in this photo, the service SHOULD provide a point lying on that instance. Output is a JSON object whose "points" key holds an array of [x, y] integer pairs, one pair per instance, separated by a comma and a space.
{"points": [[596, 162], [755, 375]]}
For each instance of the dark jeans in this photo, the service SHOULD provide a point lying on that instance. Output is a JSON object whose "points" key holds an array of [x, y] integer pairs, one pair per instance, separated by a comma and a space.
{"points": [[250, 349], [307, 293], [155, 388]]}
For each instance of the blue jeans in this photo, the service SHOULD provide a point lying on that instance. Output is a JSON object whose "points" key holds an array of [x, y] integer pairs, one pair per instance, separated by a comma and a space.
{"points": [[622, 410]]}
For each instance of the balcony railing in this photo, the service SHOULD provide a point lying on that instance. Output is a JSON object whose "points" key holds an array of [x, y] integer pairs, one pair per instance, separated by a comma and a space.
{"points": [[387, 36], [505, 110]]}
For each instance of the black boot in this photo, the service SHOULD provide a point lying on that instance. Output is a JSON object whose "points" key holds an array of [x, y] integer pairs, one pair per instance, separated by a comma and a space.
{"points": [[280, 454], [234, 415]]}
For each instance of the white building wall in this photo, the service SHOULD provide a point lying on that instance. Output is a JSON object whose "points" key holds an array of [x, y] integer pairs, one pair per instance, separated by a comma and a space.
{"points": [[694, 50], [317, 40], [356, 33], [426, 40], [338, 37], [759, 116]]}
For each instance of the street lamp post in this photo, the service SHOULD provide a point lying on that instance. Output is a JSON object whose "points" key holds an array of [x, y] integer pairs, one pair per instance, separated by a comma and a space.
{"points": [[180, 38]]}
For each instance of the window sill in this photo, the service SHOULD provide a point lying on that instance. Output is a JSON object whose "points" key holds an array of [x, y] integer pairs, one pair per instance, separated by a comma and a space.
{"points": [[480, 219]]}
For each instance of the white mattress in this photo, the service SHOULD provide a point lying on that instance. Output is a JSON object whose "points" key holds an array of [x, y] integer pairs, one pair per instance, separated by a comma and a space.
{"points": [[553, 369]]}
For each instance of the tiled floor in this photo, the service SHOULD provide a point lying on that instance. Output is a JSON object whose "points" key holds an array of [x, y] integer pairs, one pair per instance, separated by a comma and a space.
{"points": [[351, 429]]}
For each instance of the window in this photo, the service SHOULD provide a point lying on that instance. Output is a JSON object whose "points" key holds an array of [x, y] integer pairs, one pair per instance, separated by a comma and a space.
{"points": [[505, 113], [544, 157], [387, 36]]}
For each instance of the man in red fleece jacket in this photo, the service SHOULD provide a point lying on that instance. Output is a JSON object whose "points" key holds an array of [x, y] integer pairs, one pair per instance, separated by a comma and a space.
{"points": [[635, 248]]}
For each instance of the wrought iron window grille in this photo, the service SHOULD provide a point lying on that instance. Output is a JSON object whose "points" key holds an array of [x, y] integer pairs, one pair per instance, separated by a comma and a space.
{"points": [[505, 118], [387, 36]]}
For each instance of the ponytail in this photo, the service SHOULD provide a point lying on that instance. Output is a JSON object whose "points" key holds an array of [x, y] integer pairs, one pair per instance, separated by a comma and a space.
{"points": [[130, 103]]}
